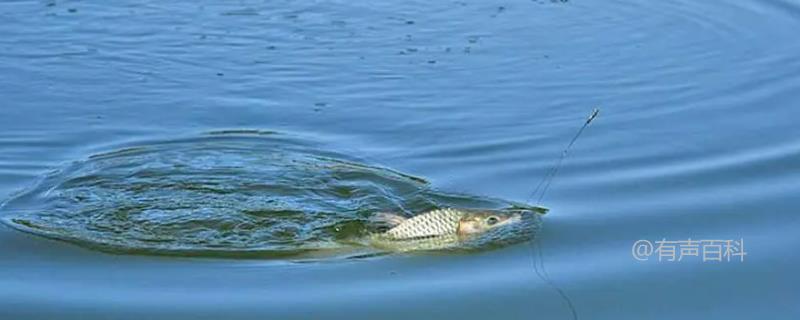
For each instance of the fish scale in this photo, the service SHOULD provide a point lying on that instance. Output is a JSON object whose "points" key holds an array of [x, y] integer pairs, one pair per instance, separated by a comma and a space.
{"points": [[433, 223]]}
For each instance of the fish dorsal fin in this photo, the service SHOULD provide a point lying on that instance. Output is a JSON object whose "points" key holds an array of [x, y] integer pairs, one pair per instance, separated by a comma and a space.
{"points": [[389, 219]]}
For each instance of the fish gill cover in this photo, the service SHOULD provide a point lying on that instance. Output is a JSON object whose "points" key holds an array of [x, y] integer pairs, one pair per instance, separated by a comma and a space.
{"points": [[227, 194]]}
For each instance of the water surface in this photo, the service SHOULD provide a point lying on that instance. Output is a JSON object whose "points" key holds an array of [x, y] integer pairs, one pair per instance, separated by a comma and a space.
{"points": [[697, 138]]}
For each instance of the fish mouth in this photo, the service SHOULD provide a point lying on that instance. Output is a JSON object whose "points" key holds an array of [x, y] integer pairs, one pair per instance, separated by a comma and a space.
{"points": [[514, 218]]}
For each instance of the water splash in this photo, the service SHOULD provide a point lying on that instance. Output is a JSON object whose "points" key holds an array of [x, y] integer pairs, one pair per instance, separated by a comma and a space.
{"points": [[224, 194]]}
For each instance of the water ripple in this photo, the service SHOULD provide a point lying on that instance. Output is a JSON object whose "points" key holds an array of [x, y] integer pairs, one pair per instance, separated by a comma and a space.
{"points": [[238, 193]]}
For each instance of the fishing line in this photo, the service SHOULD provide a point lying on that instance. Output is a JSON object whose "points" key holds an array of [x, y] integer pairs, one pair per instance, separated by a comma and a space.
{"points": [[550, 282], [544, 276], [539, 268], [548, 178]]}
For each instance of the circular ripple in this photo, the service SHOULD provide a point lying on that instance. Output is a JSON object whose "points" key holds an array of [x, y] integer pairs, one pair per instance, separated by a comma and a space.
{"points": [[234, 193]]}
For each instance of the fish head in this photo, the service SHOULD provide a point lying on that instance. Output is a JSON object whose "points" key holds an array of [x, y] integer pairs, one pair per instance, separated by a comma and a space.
{"points": [[479, 222]]}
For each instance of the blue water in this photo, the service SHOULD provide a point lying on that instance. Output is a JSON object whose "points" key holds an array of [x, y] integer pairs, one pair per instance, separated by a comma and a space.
{"points": [[697, 138]]}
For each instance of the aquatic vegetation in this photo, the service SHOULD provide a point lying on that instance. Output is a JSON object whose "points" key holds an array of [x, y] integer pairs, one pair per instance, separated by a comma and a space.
{"points": [[228, 194]]}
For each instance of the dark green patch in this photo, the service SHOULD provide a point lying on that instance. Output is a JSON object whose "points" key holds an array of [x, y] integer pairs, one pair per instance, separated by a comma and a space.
{"points": [[232, 193]]}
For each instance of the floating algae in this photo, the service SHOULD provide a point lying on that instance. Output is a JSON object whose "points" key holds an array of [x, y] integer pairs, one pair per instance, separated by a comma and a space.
{"points": [[226, 194]]}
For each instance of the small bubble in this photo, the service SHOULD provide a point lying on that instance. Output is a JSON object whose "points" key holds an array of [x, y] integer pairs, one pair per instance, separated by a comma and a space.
{"points": [[409, 21], [72, 10]]}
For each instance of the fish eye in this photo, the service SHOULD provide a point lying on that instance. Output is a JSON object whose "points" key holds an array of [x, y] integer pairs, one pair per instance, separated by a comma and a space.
{"points": [[491, 220]]}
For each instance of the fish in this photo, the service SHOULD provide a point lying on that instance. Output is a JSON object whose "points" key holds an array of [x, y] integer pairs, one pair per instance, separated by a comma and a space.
{"points": [[439, 228]]}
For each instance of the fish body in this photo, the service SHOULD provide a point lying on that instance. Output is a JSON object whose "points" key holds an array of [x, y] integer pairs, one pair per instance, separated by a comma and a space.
{"points": [[438, 229], [433, 223]]}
